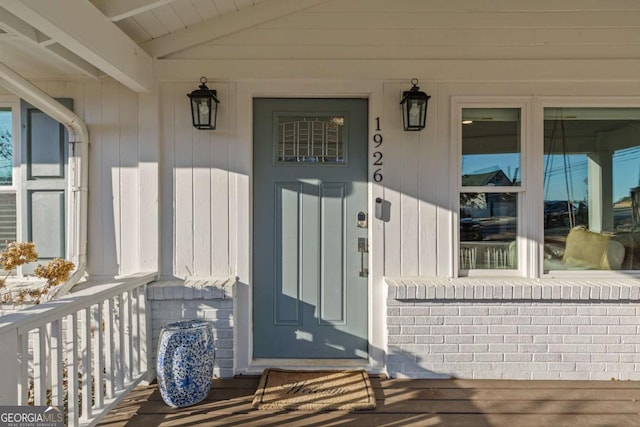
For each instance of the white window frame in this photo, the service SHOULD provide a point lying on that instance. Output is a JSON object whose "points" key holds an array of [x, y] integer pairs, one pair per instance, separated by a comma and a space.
{"points": [[540, 104], [523, 104], [530, 230], [14, 104]]}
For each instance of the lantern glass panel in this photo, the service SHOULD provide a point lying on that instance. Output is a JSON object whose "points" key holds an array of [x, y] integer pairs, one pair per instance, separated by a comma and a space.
{"points": [[414, 111], [201, 112]]}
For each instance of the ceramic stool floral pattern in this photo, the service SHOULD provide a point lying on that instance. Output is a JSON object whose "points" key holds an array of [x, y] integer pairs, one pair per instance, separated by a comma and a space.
{"points": [[185, 362]]}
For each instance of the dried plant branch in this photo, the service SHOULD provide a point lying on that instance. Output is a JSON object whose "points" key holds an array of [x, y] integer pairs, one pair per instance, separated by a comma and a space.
{"points": [[16, 254], [55, 272]]}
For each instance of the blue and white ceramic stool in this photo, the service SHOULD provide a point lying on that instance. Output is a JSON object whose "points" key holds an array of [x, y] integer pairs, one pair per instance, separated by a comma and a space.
{"points": [[185, 362]]}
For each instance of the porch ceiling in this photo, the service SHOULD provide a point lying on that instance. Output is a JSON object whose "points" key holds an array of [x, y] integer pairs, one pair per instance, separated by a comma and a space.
{"points": [[120, 38], [137, 41]]}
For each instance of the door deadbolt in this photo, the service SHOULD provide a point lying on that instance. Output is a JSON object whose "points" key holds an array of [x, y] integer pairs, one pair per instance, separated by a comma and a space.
{"points": [[361, 220]]}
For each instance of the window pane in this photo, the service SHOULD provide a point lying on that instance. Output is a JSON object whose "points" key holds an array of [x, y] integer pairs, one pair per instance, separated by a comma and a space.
{"points": [[490, 146], [310, 139], [592, 188], [6, 147], [488, 231]]}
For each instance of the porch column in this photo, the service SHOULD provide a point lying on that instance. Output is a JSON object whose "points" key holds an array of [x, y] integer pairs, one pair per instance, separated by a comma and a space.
{"points": [[600, 187]]}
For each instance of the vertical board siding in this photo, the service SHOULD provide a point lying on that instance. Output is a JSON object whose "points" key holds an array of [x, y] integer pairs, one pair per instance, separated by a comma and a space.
{"points": [[183, 170], [409, 221], [129, 182], [202, 199], [92, 115], [109, 157], [413, 173], [433, 180], [221, 141], [149, 179], [196, 200], [392, 178], [167, 120]]}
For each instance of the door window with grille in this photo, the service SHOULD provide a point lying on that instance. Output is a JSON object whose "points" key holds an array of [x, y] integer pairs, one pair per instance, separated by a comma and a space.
{"points": [[310, 139]]}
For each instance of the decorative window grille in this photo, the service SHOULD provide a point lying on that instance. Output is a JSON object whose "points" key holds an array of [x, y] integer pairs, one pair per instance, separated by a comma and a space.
{"points": [[311, 140]]}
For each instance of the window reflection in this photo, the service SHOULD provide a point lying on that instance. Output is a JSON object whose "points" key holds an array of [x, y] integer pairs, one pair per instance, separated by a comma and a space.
{"points": [[8, 228], [490, 146], [6, 147], [488, 231], [591, 188], [491, 141]]}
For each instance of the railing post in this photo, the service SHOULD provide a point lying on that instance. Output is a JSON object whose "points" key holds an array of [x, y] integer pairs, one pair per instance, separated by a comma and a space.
{"points": [[10, 372]]}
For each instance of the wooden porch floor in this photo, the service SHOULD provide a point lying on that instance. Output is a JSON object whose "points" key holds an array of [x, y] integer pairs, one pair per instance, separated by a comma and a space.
{"points": [[402, 403]]}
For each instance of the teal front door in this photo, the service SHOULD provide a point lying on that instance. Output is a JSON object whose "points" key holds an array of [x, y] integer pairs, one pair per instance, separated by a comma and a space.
{"points": [[310, 288]]}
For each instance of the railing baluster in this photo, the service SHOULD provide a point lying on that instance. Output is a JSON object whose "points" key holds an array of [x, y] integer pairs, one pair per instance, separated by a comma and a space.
{"points": [[85, 351], [110, 358], [98, 362], [56, 363], [135, 331], [23, 369], [120, 347], [72, 369], [128, 365], [39, 367], [144, 329], [47, 363]]}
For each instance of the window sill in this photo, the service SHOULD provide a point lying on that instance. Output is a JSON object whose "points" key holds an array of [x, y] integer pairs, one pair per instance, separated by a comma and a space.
{"points": [[559, 289]]}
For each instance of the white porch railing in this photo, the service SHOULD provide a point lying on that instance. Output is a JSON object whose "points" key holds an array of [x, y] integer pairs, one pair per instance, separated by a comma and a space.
{"points": [[99, 336]]}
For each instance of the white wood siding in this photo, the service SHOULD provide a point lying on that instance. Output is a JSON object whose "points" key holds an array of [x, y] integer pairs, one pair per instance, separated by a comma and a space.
{"points": [[414, 172], [195, 185], [445, 44], [454, 48], [114, 210]]}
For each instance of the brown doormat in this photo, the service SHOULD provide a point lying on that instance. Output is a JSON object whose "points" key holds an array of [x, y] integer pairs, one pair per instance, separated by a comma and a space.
{"points": [[314, 390]]}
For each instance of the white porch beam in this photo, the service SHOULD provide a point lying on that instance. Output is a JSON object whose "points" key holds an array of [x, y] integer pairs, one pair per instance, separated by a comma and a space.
{"points": [[18, 28], [84, 30], [117, 10], [15, 25], [437, 70], [74, 61], [225, 24]]}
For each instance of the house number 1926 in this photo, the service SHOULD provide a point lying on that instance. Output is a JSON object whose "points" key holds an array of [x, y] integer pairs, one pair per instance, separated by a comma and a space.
{"points": [[377, 155]]}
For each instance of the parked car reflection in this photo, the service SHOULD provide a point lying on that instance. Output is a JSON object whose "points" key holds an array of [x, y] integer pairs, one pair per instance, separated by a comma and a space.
{"points": [[471, 229], [556, 213]]}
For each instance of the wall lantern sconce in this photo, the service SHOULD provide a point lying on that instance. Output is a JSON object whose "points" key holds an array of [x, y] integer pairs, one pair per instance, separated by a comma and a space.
{"points": [[414, 107], [204, 106]]}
